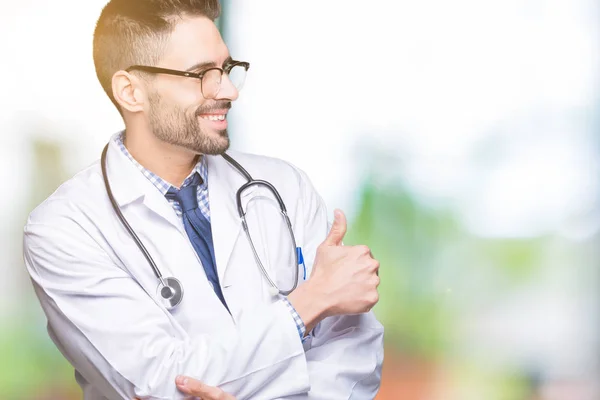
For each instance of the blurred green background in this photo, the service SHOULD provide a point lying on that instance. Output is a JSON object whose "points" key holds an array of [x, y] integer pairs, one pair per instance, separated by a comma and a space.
{"points": [[461, 139]]}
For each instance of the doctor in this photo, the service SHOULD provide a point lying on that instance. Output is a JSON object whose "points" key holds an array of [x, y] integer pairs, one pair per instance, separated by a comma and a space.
{"points": [[143, 266]]}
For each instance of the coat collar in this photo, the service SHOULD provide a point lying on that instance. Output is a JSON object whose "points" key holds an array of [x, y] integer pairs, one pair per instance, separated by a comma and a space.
{"points": [[128, 184]]}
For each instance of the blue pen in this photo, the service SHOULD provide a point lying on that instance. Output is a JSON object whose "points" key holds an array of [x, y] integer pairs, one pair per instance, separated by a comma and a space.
{"points": [[301, 260]]}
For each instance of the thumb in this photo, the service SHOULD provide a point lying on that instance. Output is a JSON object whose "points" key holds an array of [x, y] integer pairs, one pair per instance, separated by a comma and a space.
{"points": [[198, 389], [338, 229]]}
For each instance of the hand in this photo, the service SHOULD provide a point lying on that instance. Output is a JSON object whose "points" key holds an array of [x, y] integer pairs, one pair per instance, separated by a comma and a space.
{"points": [[198, 389], [344, 279], [347, 275]]}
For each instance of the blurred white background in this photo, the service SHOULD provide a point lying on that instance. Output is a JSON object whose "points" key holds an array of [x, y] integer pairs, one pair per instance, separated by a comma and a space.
{"points": [[488, 110]]}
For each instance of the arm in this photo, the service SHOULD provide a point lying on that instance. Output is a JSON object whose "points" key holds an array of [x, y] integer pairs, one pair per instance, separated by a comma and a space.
{"points": [[346, 351], [345, 358], [344, 362], [346, 355], [127, 346]]}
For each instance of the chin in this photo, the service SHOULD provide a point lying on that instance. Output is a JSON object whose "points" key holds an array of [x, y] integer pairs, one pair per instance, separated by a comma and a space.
{"points": [[214, 147], [223, 133], [225, 146]]}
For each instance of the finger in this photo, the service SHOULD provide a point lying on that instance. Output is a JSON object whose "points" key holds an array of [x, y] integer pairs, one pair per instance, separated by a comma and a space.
{"points": [[373, 257], [375, 265], [338, 229], [196, 388]]}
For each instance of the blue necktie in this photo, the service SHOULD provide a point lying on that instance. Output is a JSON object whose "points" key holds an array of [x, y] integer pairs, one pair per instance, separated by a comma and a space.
{"points": [[198, 230]]}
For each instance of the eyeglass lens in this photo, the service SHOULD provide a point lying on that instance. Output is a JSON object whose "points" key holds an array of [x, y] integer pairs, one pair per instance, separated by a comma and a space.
{"points": [[211, 81]]}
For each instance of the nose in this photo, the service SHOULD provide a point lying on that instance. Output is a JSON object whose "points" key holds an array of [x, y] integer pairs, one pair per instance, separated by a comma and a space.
{"points": [[227, 90]]}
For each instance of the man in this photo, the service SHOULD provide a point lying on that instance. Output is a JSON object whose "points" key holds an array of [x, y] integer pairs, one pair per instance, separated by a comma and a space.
{"points": [[165, 67]]}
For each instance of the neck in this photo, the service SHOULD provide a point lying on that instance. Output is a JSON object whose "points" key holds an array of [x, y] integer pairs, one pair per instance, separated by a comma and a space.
{"points": [[170, 162]]}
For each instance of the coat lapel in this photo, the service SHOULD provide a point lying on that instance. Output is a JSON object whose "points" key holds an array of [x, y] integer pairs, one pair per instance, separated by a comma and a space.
{"points": [[129, 184], [223, 183]]}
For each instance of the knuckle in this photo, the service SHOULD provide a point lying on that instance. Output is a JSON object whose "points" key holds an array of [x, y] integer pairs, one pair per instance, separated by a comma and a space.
{"points": [[373, 298], [376, 280], [363, 249]]}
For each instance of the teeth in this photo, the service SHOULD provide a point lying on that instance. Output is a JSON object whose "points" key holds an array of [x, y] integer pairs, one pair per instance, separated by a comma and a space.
{"points": [[214, 117]]}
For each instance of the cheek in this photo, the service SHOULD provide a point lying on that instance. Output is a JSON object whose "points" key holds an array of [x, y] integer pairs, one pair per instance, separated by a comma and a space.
{"points": [[191, 103], [190, 96], [186, 96]]}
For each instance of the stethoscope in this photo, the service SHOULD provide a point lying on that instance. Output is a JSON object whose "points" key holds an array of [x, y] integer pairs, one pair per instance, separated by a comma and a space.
{"points": [[170, 289]]}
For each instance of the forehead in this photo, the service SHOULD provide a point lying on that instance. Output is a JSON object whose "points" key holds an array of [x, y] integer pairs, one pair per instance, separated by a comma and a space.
{"points": [[194, 40]]}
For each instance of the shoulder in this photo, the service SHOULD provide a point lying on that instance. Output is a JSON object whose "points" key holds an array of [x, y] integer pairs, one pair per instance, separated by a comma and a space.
{"points": [[280, 173], [290, 180], [70, 199], [262, 163]]}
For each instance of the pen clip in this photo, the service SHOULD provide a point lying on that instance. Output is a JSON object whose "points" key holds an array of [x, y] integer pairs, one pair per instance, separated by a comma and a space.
{"points": [[301, 260]]}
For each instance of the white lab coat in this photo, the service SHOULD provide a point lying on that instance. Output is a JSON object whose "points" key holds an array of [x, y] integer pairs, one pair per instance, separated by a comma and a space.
{"points": [[99, 293]]}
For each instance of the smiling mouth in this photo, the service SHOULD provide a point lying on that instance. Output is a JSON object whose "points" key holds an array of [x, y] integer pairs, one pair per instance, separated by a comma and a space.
{"points": [[214, 117]]}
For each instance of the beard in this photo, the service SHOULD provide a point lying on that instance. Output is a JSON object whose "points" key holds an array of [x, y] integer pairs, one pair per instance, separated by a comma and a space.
{"points": [[172, 125]]}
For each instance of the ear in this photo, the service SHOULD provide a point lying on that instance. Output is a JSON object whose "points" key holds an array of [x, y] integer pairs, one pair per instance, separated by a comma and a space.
{"points": [[128, 91]]}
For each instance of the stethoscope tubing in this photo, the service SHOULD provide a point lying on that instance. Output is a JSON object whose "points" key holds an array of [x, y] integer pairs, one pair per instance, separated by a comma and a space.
{"points": [[174, 294], [123, 220]]}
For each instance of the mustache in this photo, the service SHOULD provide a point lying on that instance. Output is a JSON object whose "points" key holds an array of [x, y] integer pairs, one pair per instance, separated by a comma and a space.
{"points": [[218, 105]]}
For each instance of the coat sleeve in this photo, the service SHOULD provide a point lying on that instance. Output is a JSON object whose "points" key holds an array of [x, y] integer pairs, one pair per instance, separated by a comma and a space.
{"points": [[125, 345], [345, 353]]}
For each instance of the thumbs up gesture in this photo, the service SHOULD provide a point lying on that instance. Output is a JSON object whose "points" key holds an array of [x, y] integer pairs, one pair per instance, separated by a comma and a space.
{"points": [[344, 279], [346, 276]]}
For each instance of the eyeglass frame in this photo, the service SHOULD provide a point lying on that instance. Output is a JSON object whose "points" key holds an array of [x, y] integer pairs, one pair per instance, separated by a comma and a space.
{"points": [[187, 74]]}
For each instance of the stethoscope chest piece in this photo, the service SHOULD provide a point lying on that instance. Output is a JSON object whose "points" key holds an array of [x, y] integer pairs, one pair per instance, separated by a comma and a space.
{"points": [[171, 293]]}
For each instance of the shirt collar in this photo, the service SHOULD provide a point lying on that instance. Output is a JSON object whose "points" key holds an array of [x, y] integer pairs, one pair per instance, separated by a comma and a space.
{"points": [[162, 185]]}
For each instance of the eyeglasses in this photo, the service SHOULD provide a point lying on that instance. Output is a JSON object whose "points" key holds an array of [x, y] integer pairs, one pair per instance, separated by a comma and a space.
{"points": [[210, 79]]}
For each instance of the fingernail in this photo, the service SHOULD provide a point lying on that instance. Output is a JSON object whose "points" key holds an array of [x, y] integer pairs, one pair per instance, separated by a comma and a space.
{"points": [[181, 380]]}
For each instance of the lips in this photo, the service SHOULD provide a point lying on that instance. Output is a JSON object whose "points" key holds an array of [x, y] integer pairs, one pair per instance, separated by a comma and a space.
{"points": [[215, 113], [216, 119]]}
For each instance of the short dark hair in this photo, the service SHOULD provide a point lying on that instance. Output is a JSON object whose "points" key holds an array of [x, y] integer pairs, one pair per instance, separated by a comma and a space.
{"points": [[131, 32]]}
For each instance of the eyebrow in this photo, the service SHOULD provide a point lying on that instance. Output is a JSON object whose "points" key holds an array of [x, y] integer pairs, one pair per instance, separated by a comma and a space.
{"points": [[207, 64]]}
